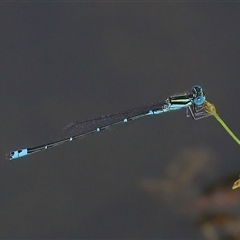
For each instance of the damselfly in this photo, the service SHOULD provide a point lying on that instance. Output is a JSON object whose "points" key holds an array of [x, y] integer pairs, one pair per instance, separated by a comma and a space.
{"points": [[191, 101]]}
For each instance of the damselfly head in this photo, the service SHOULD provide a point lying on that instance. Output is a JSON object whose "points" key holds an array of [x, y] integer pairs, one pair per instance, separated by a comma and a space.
{"points": [[198, 95]]}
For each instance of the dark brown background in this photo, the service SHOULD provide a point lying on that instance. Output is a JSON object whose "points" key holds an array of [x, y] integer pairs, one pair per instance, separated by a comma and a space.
{"points": [[70, 61]]}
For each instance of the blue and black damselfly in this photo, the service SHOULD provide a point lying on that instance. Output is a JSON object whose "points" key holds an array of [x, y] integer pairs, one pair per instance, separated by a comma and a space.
{"points": [[193, 102]]}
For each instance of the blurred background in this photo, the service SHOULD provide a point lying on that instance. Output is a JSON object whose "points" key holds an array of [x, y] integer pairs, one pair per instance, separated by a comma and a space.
{"points": [[162, 177]]}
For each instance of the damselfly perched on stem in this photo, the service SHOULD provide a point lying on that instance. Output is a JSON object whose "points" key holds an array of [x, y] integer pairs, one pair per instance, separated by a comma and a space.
{"points": [[191, 101]]}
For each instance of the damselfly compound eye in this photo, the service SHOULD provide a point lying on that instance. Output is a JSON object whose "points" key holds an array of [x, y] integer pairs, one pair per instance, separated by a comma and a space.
{"points": [[199, 100], [198, 95]]}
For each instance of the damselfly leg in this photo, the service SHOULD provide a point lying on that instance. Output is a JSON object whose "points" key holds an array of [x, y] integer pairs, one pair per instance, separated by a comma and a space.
{"points": [[197, 112]]}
